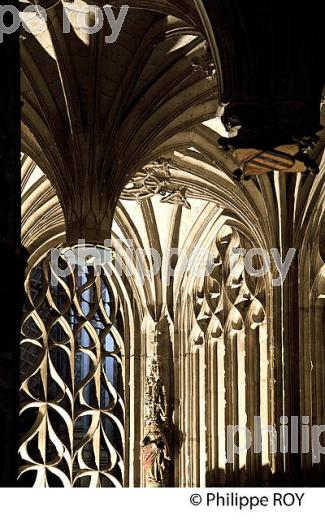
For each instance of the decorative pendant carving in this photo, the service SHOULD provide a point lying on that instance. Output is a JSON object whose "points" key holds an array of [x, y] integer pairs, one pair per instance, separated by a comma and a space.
{"points": [[155, 179], [177, 197], [204, 63]]}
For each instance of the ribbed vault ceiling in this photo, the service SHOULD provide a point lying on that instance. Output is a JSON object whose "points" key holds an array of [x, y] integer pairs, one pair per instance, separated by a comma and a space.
{"points": [[93, 113]]}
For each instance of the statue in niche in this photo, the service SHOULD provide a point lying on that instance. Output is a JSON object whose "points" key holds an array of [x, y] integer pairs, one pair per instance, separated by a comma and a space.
{"points": [[155, 449], [155, 452]]}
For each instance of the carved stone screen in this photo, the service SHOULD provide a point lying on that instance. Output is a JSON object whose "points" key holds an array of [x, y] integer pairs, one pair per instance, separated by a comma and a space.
{"points": [[72, 397]]}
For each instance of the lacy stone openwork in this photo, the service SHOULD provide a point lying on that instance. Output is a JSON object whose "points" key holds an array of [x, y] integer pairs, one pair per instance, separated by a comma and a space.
{"points": [[72, 404]]}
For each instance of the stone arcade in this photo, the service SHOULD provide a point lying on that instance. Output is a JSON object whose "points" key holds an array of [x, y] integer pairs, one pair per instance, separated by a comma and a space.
{"points": [[200, 127]]}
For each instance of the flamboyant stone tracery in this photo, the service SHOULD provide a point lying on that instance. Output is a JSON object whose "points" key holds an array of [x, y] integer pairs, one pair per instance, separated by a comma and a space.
{"points": [[122, 142], [72, 392]]}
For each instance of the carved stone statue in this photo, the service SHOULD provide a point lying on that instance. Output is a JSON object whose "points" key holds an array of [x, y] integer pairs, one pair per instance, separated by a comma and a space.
{"points": [[155, 452], [155, 449]]}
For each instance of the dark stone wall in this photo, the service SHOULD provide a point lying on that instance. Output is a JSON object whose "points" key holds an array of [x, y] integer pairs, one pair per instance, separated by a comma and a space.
{"points": [[11, 254], [272, 57]]}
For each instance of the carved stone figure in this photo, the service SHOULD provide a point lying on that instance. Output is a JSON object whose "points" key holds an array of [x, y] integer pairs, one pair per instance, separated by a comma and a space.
{"points": [[155, 452], [155, 448]]}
